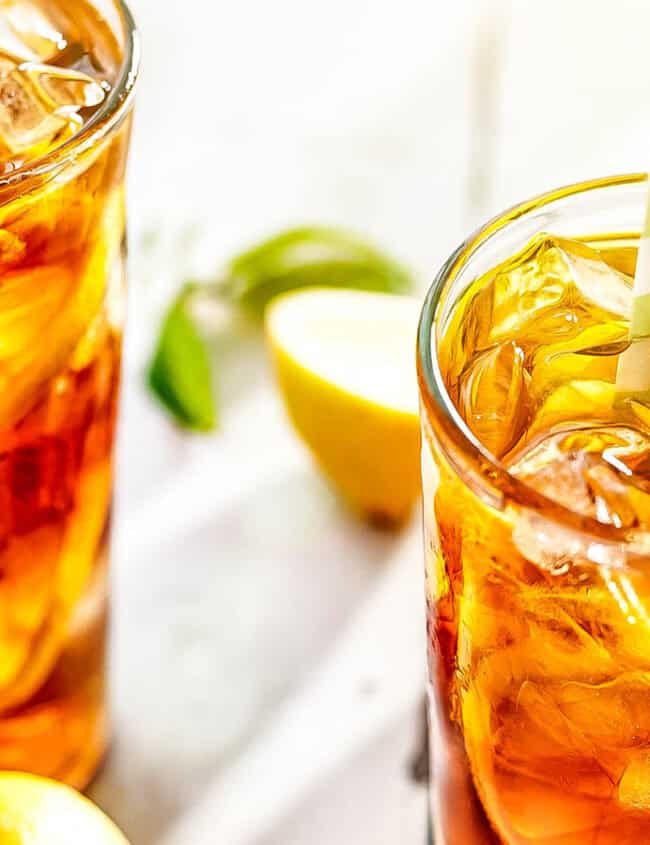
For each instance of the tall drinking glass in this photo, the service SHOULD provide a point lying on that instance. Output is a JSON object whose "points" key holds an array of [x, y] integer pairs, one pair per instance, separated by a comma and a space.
{"points": [[67, 72], [536, 472]]}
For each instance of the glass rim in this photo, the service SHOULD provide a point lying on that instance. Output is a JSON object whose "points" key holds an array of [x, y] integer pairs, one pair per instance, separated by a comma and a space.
{"points": [[497, 482], [107, 118]]}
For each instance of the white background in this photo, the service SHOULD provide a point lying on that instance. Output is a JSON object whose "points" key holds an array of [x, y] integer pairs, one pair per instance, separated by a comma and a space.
{"points": [[237, 572]]}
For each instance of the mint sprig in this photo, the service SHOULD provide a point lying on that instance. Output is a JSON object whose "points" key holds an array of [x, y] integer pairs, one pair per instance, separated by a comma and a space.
{"points": [[180, 374], [309, 257]]}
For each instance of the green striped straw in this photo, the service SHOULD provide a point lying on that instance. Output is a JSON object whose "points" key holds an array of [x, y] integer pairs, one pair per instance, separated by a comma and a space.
{"points": [[633, 374]]}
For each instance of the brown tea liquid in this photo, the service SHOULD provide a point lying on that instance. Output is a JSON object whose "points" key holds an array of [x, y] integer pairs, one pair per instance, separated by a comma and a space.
{"points": [[540, 635], [61, 297]]}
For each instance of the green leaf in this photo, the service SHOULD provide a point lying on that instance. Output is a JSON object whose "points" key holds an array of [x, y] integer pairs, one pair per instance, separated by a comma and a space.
{"points": [[180, 374], [310, 257]]}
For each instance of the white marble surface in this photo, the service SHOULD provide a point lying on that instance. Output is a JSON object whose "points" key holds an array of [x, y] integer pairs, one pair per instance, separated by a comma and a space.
{"points": [[268, 649]]}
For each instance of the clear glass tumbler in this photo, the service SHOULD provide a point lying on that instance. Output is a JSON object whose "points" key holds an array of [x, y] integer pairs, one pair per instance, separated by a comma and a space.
{"points": [[538, 582], [67, 75]]}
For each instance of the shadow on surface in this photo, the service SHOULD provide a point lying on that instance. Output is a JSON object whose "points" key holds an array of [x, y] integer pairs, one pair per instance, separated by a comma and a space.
{"points": [[213, 629], [371, 799]]}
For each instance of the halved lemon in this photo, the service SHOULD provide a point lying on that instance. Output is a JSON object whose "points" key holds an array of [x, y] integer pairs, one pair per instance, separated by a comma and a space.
{"points": [[345, 362], [36, 811]]}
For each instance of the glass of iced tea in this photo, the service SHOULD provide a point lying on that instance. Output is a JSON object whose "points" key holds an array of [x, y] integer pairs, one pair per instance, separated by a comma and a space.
{"points": [[536, 474], [67, 71]]}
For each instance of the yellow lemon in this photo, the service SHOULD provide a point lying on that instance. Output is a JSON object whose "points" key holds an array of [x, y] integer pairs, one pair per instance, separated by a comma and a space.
{"points": [[36, 811], [345, 362]]}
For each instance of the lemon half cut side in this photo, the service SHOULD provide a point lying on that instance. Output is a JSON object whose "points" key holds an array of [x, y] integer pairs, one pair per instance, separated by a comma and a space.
{"points": [[345, 363]]}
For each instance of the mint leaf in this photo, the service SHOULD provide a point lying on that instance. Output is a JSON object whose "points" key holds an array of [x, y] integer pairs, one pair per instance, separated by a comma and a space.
{"points": [[315, 256], [180, 374], [310, 256]]}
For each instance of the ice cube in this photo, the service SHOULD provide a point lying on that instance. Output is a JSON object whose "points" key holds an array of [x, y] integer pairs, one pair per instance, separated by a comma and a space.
{"points": [[597, 472], [611, 715], [559, 740], [534, 295], [590, 356], [551, 813], [621, 256], [539, 740], [536, 793], [598, 282], [551, 291], [28, 27], [25, 122], [587, 624], [39, 101], [555, 289], [64, 88], [13, 48], [40, 95], [543, 299], [634, 786], [494, 397]]}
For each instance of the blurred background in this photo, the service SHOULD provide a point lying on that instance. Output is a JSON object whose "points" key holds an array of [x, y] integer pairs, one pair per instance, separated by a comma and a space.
{"points": [[269, 649]]}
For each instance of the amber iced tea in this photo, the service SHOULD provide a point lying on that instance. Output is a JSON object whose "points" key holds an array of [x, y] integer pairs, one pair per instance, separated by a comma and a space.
{"points": [[538, 549], [64, 102]]}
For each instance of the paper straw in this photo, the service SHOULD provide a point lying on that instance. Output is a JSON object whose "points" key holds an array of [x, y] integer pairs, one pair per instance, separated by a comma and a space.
{"points": [[633, 375]]}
